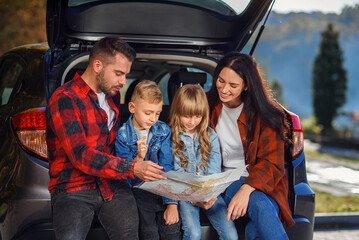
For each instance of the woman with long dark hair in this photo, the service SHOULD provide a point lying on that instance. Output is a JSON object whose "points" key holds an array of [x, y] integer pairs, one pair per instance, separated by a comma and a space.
{"points": [[252, 130]]}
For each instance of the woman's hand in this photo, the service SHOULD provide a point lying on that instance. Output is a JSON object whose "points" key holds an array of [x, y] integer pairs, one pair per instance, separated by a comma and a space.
{"points": [[171, 214], [239, 203], [205, 205]]}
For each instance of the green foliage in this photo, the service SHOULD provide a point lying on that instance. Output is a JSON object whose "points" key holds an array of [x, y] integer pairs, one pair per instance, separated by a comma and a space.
{"points": [[326, 156], [329, 80], [325, 203], [277, 90], [274, 87], [22, 22], [310, 127]]}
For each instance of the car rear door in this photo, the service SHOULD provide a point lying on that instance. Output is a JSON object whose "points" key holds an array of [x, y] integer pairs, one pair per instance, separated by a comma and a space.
{"points": [[12, 68], [204, 27]]}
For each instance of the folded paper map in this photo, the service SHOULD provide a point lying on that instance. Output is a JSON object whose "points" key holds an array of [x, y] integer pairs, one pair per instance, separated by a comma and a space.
{"points": [[190, 187]]}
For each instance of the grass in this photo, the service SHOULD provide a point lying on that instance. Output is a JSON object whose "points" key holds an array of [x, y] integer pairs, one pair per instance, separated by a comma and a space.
{"points": [[330, 156], [325, 203]]}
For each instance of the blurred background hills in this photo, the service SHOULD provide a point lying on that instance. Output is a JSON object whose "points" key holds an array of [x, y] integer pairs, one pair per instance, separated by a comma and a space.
{"points": [[290, 44]]}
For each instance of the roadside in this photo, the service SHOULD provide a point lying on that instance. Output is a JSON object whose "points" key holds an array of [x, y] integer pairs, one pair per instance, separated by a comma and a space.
{"points": [[342, 234], [338, 175], [334, 226], [336, 221], [334, 153]]}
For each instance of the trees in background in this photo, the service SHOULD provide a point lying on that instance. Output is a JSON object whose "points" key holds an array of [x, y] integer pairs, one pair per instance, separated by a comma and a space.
{"points": [[329, 81], [22, 22], [277, 90]]}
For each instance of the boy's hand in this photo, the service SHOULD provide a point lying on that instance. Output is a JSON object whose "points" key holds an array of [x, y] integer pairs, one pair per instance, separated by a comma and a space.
{"points": [[148, 171], [171, 214], [142, 149], [205, 205]]}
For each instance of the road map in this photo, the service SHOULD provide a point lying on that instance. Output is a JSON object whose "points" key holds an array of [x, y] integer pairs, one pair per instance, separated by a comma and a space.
{"points": [[190, 187]]}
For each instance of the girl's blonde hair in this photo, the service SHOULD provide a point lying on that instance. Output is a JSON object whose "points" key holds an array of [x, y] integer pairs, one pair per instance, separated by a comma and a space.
{"points": [[190, 100]]}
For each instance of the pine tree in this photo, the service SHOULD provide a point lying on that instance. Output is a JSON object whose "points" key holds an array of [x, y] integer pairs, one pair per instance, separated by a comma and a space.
{"points": [[277, 90], [329, 79]]}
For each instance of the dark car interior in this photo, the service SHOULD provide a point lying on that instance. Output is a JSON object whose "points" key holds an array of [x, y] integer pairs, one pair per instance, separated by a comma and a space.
{"points": [[169, 77]]}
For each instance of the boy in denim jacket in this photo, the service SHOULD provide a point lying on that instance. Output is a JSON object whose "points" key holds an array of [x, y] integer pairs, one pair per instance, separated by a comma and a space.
{"points": [[146, 136]]}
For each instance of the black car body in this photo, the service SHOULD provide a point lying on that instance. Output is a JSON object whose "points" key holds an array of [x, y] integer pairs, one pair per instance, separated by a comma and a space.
{"points": [[170, 37]]}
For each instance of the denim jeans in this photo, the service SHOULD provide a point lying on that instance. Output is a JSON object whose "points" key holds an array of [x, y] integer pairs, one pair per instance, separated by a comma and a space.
{"points": [[217, 215], [73, 213], [152, 224], [263, 213]]}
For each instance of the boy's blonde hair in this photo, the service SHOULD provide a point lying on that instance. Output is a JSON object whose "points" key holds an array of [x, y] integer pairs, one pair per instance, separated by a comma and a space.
{"points": [[190, 100], [147, 90]]}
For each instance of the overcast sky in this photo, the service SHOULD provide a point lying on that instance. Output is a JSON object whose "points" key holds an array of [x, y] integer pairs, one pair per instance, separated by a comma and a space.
{"points": [[284, 6]]}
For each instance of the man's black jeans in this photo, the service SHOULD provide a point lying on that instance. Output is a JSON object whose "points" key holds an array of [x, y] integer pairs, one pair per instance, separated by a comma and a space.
{"points": [[73, 213]]}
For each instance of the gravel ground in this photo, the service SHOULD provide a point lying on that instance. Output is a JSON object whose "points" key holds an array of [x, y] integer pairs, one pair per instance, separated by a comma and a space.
{"points": [[336, 235]]}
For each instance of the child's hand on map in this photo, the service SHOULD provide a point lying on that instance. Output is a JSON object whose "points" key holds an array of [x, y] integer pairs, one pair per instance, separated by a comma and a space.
{"points": [[142, 149], [171, 214], [205, 205]]}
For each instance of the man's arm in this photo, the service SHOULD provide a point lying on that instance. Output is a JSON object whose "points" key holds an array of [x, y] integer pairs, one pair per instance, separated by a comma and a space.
{"points": [[67, 125], [148, 171]]}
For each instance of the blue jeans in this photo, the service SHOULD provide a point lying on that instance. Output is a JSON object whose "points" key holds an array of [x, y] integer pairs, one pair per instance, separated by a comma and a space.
{"points": [[152, 224], [217, 215], [263, 213], [73, 213]]}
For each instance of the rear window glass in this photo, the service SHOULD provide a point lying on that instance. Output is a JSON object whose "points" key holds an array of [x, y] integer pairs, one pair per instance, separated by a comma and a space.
{"points": [[161, 79], [10, 71], [224, 7]]}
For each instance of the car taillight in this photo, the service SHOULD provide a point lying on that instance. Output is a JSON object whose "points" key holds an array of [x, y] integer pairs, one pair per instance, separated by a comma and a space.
{"points": [[298, 138], [30, 128]]}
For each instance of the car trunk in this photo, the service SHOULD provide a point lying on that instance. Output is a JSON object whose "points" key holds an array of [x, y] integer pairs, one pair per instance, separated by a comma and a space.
{"points": [[196, 26]]}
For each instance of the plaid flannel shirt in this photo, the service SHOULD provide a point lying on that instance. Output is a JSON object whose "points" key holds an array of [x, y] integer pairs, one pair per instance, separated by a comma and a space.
{"points": [[265, 159], [80, 145]]}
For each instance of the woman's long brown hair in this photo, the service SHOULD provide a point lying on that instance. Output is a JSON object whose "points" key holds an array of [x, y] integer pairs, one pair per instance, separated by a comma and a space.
{"points": [[258, 102]]}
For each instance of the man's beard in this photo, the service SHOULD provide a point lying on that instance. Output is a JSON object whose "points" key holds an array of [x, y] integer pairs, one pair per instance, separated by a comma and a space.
{"points": [[104, 87]]}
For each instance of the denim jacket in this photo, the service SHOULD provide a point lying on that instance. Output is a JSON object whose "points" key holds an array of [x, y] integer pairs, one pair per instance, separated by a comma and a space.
{"points": [[192, 152], [159, 148]]}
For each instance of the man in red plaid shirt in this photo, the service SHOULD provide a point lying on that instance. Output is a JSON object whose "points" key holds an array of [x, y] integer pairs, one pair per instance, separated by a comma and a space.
{"points": [[85, 176]]}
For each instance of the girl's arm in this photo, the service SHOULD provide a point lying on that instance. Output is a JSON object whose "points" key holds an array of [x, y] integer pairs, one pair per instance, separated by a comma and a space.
{"points": [[213, 166], [165, 158], [214, 158]]}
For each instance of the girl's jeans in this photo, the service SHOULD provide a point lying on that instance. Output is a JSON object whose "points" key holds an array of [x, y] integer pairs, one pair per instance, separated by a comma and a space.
{"points": [[263, 214], [217, 215]]}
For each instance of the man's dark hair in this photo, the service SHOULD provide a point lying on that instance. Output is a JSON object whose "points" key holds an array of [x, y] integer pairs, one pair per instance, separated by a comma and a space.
{"points": [[107, 48]]}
